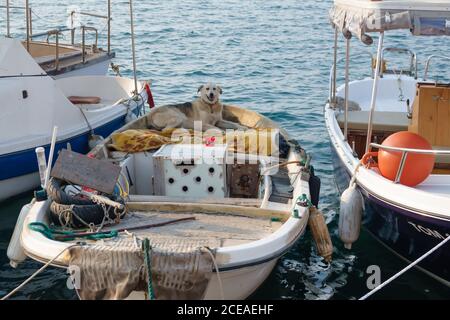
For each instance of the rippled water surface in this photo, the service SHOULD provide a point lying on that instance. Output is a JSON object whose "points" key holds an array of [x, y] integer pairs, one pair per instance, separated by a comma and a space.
{"points": [[270, 56]]}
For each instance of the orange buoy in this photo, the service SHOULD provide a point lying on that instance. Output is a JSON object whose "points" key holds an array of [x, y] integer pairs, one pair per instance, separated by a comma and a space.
{"points": [[417, 166]]}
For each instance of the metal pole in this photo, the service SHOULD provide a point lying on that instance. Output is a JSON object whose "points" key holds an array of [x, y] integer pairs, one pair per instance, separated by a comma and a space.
{"points": [[57, 51], [347, 67], [109, 27], [400, 168], [133, 47], [31, 23], [83, 44], [27, 12], [7, 19], [72, 29], [374, 90], [333, 93]]}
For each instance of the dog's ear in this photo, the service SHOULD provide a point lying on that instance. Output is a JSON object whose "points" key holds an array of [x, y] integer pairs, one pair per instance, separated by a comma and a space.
{"points": [[200, 88], [220, 89]]}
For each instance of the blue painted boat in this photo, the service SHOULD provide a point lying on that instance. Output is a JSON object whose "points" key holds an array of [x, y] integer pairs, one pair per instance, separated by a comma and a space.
{"points": [[34, 103], [407, 220]]}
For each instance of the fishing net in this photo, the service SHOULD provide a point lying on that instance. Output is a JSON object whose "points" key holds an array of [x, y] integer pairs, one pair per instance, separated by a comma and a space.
{"points": [[180, 269]]}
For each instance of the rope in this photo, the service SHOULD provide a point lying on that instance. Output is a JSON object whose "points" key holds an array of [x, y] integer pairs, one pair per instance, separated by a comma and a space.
{"points": [[353, 179], [146, 248], [68, 235], [86, 119], [395, 276], [37, 272], [279, 165], [219, 279]]}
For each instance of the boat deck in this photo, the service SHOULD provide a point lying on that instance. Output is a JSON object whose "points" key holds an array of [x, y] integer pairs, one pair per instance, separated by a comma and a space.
{"points": [[69, 55], [212, 230]]}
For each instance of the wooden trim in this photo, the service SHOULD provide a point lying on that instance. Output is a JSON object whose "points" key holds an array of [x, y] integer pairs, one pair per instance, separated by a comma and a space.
{"points": [[250, 212], [246, 202]]}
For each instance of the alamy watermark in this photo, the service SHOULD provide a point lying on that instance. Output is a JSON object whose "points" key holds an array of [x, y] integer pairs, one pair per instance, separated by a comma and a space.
{"points": [[374, 279]]}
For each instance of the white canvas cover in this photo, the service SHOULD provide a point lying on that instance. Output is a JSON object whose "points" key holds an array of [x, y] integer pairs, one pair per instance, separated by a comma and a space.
{"points": [[424, 17], [14, 60], [32, 103]]}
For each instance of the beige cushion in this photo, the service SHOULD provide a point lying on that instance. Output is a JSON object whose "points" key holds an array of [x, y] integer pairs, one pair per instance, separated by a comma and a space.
{"points": [[382, 120]]}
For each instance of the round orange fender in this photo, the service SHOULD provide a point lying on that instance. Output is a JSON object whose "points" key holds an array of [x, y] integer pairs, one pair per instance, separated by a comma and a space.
{"points": [[368, 161], [417, 166]]}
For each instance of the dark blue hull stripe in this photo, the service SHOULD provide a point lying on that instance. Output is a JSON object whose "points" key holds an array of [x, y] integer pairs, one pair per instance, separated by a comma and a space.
{"points": [[24, 162], [407, 233]]}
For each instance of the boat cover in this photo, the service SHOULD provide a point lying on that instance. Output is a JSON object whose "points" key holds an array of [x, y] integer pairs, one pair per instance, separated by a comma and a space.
{"points": [[180, 269], [14, 60], [423, 17]]}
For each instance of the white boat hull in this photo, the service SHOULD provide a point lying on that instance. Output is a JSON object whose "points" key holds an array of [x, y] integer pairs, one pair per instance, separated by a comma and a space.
{"points": [[95, 69], [237, 284], [17, 185]]}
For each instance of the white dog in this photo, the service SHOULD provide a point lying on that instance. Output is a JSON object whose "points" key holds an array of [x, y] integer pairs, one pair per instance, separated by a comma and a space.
{"points": [[207, 109]]}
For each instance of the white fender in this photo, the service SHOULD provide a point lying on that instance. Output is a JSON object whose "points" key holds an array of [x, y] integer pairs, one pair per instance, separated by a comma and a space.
{"points": [[350, 215], [15, 252]]}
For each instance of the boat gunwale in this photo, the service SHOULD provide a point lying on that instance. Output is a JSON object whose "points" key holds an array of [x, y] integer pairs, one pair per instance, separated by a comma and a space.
{"points": [[344, 151]]}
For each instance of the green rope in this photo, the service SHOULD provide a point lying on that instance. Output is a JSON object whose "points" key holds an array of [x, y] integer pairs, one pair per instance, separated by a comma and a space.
{"points": [[147, 260], [60, 235]]}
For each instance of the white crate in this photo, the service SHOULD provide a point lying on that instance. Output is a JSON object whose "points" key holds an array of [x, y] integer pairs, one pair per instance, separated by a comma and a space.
{"points": [[185, 170]]}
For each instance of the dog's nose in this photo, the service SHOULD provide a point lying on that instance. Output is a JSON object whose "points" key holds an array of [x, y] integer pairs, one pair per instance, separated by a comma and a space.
{"points": [[211, 95]]}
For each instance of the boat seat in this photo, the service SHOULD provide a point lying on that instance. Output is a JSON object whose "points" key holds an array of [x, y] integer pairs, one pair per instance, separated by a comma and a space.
{"points": [[382, 120], [84, 100]]}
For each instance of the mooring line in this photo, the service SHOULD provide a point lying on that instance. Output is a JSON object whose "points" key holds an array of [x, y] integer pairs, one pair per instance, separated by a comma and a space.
{"points": [[37, 272], [398, 274]]}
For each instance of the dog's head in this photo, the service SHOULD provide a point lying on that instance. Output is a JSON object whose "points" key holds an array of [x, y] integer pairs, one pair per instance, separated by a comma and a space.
{"points": [[210, 93]]}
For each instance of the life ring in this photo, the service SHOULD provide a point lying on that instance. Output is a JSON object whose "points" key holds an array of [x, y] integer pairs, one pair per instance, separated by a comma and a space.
{"points": [[368, 161], [79, 216]]}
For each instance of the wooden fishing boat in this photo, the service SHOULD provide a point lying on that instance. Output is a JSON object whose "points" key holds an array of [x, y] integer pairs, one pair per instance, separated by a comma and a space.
{"points": [[217, 217]]}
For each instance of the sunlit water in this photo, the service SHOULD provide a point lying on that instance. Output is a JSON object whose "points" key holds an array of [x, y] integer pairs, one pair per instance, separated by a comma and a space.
{"points": [[273, 58]]}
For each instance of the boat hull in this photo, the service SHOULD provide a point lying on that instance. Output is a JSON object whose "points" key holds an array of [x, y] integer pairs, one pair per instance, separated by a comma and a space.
{"points": [[19, 172], [96, 67], [407, 233], [238, 284]]}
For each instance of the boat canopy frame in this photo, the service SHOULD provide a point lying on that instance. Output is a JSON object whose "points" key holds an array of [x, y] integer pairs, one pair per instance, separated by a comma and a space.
{"points": [[360, 17]]}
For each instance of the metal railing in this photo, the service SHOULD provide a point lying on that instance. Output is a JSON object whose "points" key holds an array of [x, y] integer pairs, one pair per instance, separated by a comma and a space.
{"points": [[413, 63], [405, 152], [29, 23], [332, 86], [413, 71], [83, 41], [427, 65], [58, 32], [95, 15]]}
